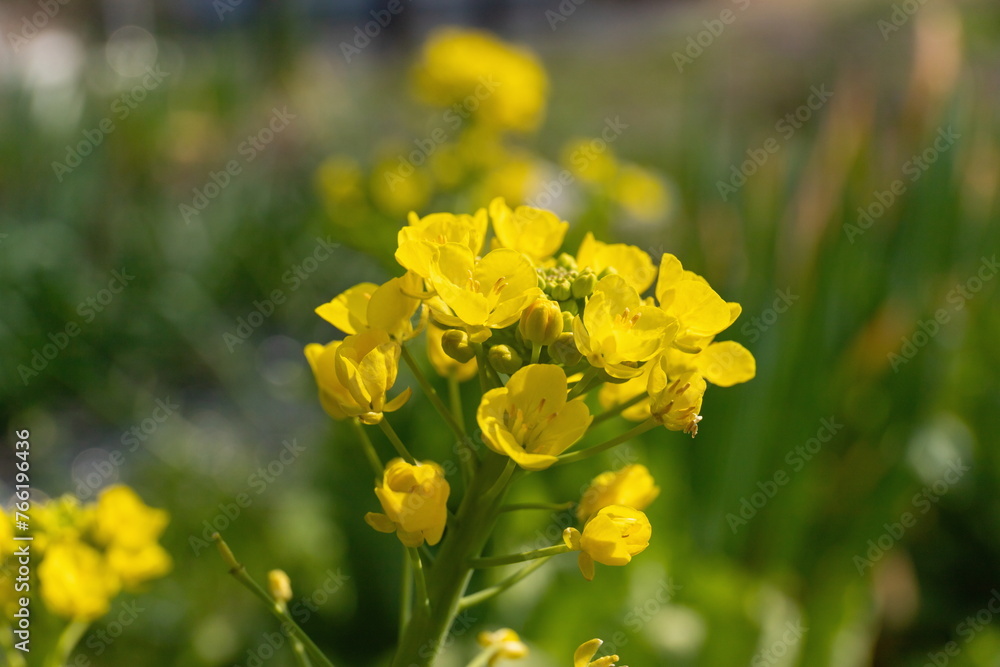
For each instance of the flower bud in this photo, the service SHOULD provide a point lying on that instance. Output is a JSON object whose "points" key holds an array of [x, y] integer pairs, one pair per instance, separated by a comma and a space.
{"points": [[562, 290], [541, 322], [571, 307], [584, 284], [566, 261], [279, 585], [505, 359], [564, 350], [455, 343]]}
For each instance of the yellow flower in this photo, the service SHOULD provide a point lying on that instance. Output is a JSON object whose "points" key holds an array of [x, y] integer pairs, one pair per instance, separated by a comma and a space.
{"points": [[530, 420], [414, 499], [587, 650], [61, 519], [536, 233], [701, 312], [389, 307], [75, 581], [129, 529], [517, 176], [610, 537], [631, 486], [419, 240], [724, 363], [339, 178], [477, 74], [675, 401], [354, 375], [398, 187], [583, 159], [617, 332], [481, 295], [445, 365], [631, 263], [641, 194], [505, 643]]}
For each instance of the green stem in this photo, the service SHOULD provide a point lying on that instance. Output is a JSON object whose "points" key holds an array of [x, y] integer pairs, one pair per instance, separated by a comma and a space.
{"points": [[618, 409], [448, 579], [487, 376], [485, 658], [67, 641], [432, 395], [417, 566], [487, 593], [536, 352], [467, 458], [613, 442], [396, 442], [503, 480], [406, 599], [581, 386], [510, 559], [552, 507], [368, 448], [239, 572], [298, 648]]}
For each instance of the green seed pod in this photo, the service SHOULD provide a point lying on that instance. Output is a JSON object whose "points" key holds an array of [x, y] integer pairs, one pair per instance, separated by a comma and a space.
{"points": [[504, 359], [455, 343]]}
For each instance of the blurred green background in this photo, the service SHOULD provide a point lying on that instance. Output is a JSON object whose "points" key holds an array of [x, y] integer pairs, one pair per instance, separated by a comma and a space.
{"points": [[769, 548]]}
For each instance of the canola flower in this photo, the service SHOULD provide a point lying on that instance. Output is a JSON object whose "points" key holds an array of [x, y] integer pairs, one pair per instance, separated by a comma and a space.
{"points": [[85, 555], [543, 337]]}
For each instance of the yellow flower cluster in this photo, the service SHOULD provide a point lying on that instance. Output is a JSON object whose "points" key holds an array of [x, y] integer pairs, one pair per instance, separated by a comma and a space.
{"points": [[474, 72], [89, 553]]}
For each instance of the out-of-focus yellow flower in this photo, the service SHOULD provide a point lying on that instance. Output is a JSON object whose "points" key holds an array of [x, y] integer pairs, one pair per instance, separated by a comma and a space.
{"points": [[610, 537], [640, 193], [354, 375], [516, 178], [478, 75], [446, 166], [536, 233], [398, 187], [530, 420], [685, 295], [675, 402], [129, 529], [6, 535], [61, 519], [589, 162], [587, 650], [340, 182], [414, 499], [632, 486], [617, 332], [631, 263], [419, 241], [505, 643], [75, 581], [444, 364], [486, 294], [389, 307]]}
